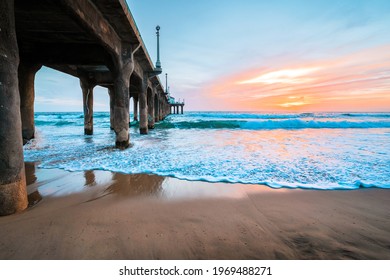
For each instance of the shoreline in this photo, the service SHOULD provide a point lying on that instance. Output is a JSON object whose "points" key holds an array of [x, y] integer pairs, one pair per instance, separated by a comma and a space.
{"points": [[107, 215]]}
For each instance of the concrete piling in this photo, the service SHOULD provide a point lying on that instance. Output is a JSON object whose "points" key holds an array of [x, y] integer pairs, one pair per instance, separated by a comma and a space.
{"points": [[112, 104], [150, 109], [143, 107], [121, 110], [156, 106], [87, 88], [97, 46], [13, 194], [135, 102], [26, 76]]}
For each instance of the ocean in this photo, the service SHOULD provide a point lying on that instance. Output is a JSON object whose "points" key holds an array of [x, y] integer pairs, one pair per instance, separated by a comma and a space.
{"points": [[310, 151]]}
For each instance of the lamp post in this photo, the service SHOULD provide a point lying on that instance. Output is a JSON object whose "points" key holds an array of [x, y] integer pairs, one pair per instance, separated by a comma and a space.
{"points": [[158, 63]]}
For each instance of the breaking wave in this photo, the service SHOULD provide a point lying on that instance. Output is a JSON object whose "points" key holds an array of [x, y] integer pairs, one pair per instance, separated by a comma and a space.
{"points": [[272, 124], [335, 151]]}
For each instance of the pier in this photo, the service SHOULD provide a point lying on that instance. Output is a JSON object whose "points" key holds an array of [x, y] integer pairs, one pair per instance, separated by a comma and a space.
{"points": [[175, 107], [96, 41]]}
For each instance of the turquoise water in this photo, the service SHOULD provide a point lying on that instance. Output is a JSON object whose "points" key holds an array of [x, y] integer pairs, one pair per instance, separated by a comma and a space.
{"points": [[313, 151]]}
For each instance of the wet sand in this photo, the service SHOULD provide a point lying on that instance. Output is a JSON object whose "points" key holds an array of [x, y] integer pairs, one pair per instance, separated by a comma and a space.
{"points": [[105, 215]]}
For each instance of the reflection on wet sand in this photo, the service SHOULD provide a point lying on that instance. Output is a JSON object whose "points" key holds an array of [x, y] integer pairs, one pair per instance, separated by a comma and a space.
{"points": [[96, 184], [33, 197], [89, 176], [30, 172], [47, 182], [125, 185]]}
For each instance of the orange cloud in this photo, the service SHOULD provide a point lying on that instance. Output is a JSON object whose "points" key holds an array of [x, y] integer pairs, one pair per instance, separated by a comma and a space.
{"points": [[286, 76], [354, 82]]}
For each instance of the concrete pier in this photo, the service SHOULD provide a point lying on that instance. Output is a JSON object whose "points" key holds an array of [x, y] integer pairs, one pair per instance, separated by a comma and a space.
{"points": [[87, 88], [150, 109], [112, 104], [176, 108], [26, 76], [143, 107], [160, 113], [123, 71], [95, 41], [135, 102], [13, 194], [156, 106]]}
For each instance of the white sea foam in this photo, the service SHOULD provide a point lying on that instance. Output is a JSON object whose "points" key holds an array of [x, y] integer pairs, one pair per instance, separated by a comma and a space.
{"points": [[334, 151]]}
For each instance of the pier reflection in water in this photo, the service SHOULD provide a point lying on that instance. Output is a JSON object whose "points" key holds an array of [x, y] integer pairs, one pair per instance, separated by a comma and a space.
{"points": [[33, 195], [89, 176], [126, 185], [97, 184], [56, 182]]}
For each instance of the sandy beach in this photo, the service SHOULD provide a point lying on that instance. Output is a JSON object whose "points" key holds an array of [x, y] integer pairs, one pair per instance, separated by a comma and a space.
{"points": [[105, 215]]}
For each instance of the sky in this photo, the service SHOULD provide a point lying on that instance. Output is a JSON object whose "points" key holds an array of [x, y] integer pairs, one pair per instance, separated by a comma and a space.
{"points": [[255, 55]]}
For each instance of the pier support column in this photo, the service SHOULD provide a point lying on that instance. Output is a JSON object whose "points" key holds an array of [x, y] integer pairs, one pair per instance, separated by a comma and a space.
{"points": [[150, 110], [156, 105], [121, 109], [143, 106], [123, 70], [135, 102], [26, 75], [87, 88], [182, 110], [112, 103], [13, 194], [160, 110]]}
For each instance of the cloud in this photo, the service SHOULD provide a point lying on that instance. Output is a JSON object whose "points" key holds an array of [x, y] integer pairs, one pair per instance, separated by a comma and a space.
{"points": [[342, 82], [286, 76]]}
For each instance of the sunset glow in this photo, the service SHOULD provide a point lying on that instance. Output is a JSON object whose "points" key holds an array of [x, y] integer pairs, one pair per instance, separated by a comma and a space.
{"points": [[286, 76], [359, 81], [257, 56]]}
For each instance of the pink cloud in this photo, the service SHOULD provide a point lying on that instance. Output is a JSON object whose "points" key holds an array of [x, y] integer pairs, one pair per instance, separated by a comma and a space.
{"points": [[345, 83]]}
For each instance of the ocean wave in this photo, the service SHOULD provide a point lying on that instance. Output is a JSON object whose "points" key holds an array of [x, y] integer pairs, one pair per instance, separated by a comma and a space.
{"points": [[56, 123], [200, 124], [272, 124], [285, 185], [358, 184], [235, 115], [301, 124], [276, 116], [346, 154], [369, 115]]}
